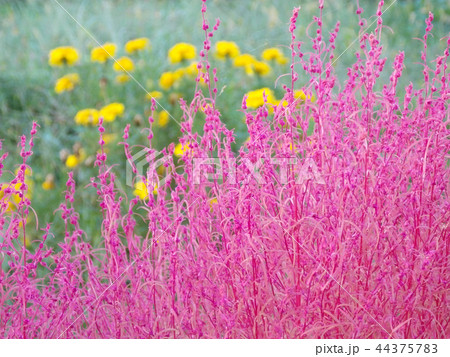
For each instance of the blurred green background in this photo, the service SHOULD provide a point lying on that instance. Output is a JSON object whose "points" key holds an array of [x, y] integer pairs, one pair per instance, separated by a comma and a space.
{"points": [[30, 29]]}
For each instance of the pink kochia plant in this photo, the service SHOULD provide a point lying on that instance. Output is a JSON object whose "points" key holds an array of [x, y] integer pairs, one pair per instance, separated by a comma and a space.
{"points": [[359, 252]]}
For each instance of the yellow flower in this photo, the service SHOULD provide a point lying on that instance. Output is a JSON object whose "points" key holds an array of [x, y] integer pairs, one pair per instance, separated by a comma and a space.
{"points": [[111, 111], [163, 119], [122, 78], [181, 149], [255, 98], [261, 68], [154, 94], [244, 60], [87, 116], [67, 83], [179, 73], [181, 51], [63, 55], [49, 183], [27, 172], [204, 107], [141, 190], [274, 53], [283, 103], [247, 61], [293, 148], [167, 80], [137, 44], [123, 64], [10, 206], [192, 69], [103, 53], [212, 202], [226, 49], [299, 94], [15, 198], [72, 161]]}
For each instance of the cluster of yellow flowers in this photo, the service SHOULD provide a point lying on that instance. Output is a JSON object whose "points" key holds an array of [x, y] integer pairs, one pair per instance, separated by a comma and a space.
{"points": [[226, 49], [251, 65], [255, 98], [14, 199], [61, 56], [91, 116], [123, 65], [67, 55], [102, 53], [141, 189], [170, 78], [183, 56]]}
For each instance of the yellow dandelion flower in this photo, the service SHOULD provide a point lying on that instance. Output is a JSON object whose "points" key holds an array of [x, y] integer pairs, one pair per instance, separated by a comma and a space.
{"points": [[299, 94], [137, 44], [67, 83], [244, 60], [255, 98], [87, 116], [167, 80], [261, 68], [212, 202], [273, 53], [28, 181], [9, 205], [15, 198], [179, 73], [111, 111], [154, 94], [49, 183], [192, 69], [226, 49], [27, 172], [124, 64], [72, 161], [180, 149], [249, 70], [163, 119], [103, 53], [141, 190], [122, 78], [181, 51], [65, 55]]}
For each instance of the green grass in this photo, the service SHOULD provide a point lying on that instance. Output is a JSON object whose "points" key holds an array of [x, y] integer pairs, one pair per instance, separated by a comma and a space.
{"points": [[30, 29]]}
